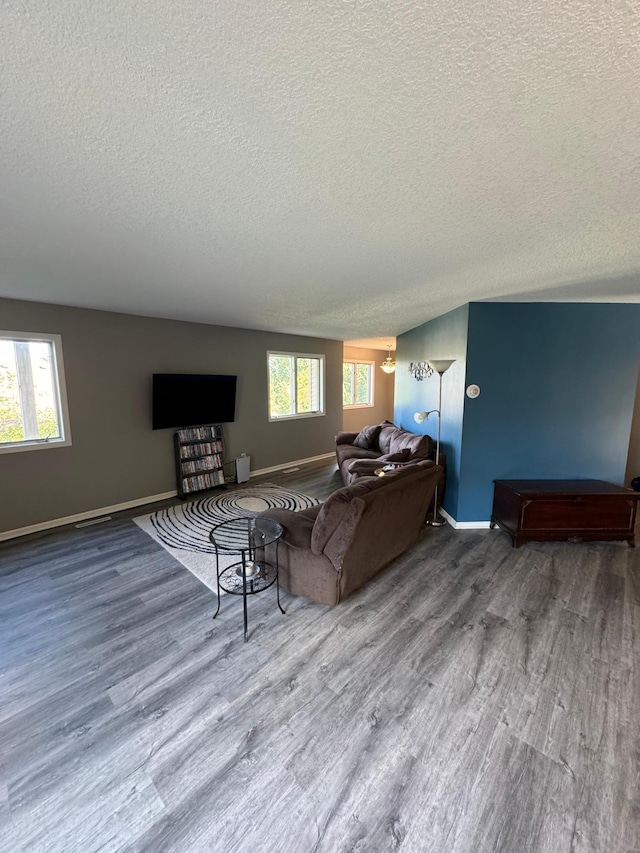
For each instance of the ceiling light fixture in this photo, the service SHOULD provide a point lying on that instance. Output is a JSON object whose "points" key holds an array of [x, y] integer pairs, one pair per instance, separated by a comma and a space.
{"points": [[388, 365]]}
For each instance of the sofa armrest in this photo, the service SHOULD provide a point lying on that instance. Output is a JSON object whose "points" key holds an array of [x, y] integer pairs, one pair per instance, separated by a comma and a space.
{"points": [[346, 437], [298, 526], [363, 468]]}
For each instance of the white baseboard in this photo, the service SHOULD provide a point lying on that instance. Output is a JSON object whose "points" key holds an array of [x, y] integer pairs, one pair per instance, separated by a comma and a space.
{"points": [[464, 525], [82, 516], [106, 510], [257, 472]]}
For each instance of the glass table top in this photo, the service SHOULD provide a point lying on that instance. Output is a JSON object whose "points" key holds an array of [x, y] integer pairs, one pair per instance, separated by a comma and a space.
{"points": [[245, 533]]}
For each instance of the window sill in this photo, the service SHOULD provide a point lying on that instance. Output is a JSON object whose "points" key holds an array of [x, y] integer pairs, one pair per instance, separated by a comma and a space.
{"points": [[296, 417], [35, 445], [359, 406]]}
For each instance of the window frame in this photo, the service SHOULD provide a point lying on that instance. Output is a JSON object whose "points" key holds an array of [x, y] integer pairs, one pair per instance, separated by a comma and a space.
{"points": [[321, 396], [59, 389], [372, 383]]}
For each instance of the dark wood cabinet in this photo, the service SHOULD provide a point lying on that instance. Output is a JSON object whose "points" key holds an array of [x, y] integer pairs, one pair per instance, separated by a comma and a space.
{"points": [[564, 510]]}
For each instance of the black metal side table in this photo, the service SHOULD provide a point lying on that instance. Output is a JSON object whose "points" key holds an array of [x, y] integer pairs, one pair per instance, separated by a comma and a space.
{"points": [[251, 539]]}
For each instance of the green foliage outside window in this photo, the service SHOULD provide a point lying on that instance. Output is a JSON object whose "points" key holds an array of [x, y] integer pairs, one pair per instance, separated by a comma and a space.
{"points": [[347, 383], [363, 373], [11, 421], [281, 396], [303, 385], [294, 385], [357, 384]]}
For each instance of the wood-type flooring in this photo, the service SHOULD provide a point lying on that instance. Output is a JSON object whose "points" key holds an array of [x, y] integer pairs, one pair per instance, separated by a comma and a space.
{"points": [[471, 698]]}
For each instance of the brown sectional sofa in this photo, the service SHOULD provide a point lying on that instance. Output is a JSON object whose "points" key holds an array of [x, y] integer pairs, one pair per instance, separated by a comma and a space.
{"points": [[329, 551], [387, 444]]}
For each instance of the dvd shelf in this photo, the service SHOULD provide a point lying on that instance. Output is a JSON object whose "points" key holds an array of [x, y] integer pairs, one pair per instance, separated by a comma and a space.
{"points": [[199, 454]]}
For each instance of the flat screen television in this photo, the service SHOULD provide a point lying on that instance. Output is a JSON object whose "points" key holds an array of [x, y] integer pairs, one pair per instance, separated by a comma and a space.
{"points": [[192, 399]]}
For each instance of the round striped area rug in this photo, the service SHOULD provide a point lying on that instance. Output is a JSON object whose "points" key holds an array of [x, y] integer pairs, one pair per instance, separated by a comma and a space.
{"points": [[183, 530]]}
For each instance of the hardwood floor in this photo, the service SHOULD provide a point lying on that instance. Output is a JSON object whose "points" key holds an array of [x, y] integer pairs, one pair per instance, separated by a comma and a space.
{"points": [[471, 698]]}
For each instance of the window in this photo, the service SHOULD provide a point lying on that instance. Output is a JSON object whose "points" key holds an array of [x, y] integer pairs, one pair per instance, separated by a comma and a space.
{"points": [[357, 383], [296, 385], [33, 405]]}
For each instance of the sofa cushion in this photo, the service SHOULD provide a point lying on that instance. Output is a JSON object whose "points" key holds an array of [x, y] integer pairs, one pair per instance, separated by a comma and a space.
{"points": [[334, 508], [392, 439], [347, 453], [398, 456], [384, 439], [419, 446], [367, 438], [368, 467], [346, 437]]}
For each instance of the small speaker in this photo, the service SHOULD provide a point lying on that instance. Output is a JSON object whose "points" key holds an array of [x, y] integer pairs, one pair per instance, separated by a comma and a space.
{"points": [[243, 469]]}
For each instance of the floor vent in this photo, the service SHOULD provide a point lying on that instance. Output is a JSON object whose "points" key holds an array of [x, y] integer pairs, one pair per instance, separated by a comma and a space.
{"points": [[289, 470], [91, 521]]}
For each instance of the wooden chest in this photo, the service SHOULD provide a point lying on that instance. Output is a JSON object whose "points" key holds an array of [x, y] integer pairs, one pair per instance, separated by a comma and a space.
{"points": [[564, 510]]}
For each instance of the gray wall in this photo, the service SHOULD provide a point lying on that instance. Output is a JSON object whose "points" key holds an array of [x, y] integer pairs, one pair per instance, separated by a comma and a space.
{"points": [[115, 456], [382, 409]]}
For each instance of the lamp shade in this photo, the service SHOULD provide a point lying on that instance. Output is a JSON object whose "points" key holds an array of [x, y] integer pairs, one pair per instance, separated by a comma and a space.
{"points": [[441, 365], [421, 417]]}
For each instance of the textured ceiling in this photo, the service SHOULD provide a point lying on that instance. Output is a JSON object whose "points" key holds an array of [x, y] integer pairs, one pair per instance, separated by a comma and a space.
{"points": [[373, 343], [342, 169]]}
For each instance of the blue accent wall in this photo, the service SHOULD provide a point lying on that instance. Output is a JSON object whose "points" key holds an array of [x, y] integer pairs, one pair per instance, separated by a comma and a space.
{"points": [[444, 337], [558, 383]]}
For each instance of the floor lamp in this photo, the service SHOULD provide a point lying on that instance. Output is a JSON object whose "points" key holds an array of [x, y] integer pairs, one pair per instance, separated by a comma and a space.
{"points": [[440, 367]]}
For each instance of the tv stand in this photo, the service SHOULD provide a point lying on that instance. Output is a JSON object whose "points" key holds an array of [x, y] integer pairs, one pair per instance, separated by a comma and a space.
{"points": [[199, 455]]}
